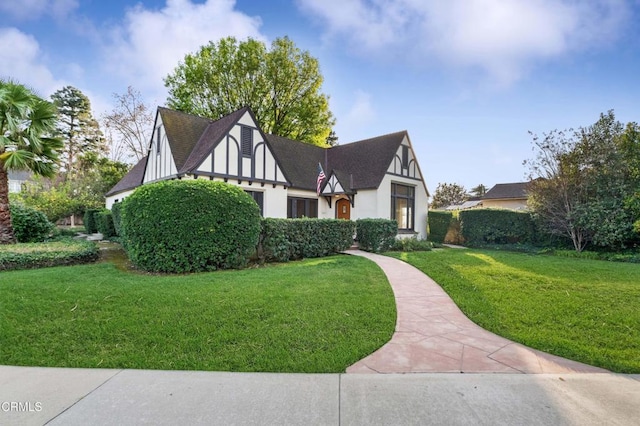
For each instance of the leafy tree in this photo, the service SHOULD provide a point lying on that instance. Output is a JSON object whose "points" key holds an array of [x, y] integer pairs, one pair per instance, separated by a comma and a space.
{"points": [[447, 194], [583, 184], [58, 199], [478, 191], [129, 126], [26, 125], [281, 85], [77, 127], [55, 201]]}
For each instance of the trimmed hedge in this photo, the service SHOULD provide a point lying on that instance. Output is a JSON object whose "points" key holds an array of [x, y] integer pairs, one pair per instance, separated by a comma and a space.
{"points": [[104, 223], [189, 225], [90, 221], [439, 222], [40, 255], [490, 226], [282, 240], [116, 213], [29, 225], [376, 235]]}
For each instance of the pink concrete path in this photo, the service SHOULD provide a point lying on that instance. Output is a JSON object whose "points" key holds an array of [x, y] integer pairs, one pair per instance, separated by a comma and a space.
{"points": [[433, 335]]}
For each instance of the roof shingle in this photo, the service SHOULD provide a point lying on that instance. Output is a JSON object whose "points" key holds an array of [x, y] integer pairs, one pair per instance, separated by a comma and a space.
{"points": [[507, 190]]}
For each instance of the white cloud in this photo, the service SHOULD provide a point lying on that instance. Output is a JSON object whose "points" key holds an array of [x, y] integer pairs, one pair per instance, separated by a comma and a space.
{"points": [[500, 37], [34, 9], [24, 62], [361, 112], [151, 43]]}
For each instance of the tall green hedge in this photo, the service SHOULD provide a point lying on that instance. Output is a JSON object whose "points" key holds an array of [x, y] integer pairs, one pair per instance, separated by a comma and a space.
{"points": [[490, 226], [439, 222], [29, 225], [116, 212], [376, 235], [282, 240], [90, 221], [104, 223], [189, 225]]}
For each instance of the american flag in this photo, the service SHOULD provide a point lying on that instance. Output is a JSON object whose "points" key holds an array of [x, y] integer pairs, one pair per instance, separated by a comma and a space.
{"points": [[320, 179]]}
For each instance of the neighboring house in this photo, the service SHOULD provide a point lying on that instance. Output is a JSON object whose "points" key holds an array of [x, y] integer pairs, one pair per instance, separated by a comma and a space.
{"points": [[471, 203], [17, 178], [373, 178], [511, 196]]}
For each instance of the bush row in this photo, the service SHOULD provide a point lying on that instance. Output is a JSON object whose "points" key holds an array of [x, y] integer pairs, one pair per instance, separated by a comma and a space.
{"points": [[40, 255], [491, 226], [438, 223], [100, 220], [282, 240], [376, 235]]}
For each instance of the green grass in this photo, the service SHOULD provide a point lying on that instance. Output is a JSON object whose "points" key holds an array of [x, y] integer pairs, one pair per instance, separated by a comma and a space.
{"points": [[585, 310], [317, 315]]}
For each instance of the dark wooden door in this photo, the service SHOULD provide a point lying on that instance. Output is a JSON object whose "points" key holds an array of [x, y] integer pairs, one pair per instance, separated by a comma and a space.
{"points": [[343, 209]]}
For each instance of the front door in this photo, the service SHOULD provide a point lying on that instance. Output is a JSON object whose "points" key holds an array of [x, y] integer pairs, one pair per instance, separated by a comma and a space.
{"points": [[343, 209]]}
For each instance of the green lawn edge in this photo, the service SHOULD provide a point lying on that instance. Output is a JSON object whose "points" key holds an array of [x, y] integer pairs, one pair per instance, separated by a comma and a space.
{"points": [[584, 310], [312, 316]]}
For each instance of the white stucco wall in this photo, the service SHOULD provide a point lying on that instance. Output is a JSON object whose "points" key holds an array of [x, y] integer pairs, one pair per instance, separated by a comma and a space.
{"points": [[109, 201]]}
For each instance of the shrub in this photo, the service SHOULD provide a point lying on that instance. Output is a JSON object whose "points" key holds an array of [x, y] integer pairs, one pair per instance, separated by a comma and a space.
{"points": [[454, 233], [189, 225], [439, 222], [90, 222], [40, 255], [104, 222], [488, 226], [376, 235], [29, 225], [282, 240], [116, 212]]}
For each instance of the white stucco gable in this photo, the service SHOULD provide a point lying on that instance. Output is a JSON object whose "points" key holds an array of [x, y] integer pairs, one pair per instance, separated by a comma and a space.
{"points": [[160, 163], [242, 153], [405, 164]]}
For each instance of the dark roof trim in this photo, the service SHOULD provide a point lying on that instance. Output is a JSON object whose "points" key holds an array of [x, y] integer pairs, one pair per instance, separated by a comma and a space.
{"points": [[131, 180]]}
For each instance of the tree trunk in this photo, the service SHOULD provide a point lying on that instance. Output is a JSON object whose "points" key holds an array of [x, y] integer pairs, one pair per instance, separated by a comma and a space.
{"points": [[6, 229]]}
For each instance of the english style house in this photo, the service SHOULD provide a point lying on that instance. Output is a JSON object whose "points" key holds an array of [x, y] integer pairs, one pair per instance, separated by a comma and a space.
{"points": [[373, 178]]}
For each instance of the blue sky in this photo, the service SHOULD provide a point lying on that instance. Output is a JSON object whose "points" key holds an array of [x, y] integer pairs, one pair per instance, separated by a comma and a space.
{"points": [[466, 78]]}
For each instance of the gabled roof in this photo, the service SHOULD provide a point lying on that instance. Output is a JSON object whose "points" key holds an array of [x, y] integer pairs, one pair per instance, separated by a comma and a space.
{"points": [[131, 180], [366, 160], [507, 191], [298, 160], [209, 138], [357, 165], [183, 133]]}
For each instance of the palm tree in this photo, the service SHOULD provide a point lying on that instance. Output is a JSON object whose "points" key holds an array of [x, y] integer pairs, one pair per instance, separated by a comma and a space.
{"points": [[26, 125]]}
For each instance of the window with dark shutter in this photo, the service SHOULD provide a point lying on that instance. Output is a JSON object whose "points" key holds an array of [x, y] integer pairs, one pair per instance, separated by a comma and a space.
{"points": [[258, 197], [158, 140], [247, 141]]}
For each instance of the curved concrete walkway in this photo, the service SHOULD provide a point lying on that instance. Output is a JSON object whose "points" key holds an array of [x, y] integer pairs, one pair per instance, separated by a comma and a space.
{"points": [[432, 335]]}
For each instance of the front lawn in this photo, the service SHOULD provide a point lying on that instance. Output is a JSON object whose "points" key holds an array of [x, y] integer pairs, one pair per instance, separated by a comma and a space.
{"points": [[318, 315], [585, 310]]}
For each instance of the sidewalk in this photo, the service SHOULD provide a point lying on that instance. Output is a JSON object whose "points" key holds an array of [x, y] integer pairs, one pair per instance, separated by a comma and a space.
{"points": [[57, 396]]}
